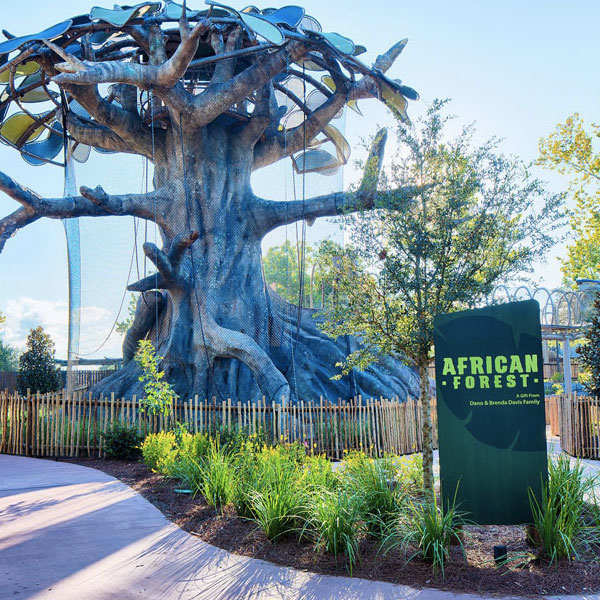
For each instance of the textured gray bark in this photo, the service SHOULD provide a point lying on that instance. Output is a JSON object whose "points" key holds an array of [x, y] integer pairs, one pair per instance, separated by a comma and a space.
{"points": [[220, 330]]}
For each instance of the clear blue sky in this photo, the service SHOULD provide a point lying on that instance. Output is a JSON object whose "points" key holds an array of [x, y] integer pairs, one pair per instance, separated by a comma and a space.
{"points": [[515, 68]]}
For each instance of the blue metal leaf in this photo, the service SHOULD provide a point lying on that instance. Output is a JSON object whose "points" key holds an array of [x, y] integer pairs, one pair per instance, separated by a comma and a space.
{"points": [[47, 34], [121, 16], [39, 153]]}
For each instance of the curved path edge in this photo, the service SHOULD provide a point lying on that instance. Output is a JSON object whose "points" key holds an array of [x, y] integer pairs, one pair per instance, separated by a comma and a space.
{"points": [[69, 532]]}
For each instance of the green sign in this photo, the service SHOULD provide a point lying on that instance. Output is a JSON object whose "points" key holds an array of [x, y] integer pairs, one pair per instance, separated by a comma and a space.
{"points": [[491, 413]]}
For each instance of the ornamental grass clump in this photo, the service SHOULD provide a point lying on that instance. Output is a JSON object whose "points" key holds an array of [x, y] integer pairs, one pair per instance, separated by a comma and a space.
{"points": [[189, 472], [429, 529], [277, 501], [335, 522], [217, 477], [377, 491], [559, 517]]}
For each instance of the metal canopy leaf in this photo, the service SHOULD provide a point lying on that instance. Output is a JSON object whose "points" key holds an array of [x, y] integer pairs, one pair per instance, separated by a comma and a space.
{"points": [[39, 153], [120, 16], [341, 43], [47, 34], [287, 16], [258, 26], [316, 161], [23, 69], [173, 11], [17, 125]]}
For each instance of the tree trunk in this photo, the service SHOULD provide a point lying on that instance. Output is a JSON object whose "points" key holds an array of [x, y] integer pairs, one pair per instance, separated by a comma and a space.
{"points": [[425, 401], [220, 330]]}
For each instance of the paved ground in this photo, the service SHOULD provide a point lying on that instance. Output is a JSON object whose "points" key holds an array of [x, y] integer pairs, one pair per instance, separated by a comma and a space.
{"points": [[72, 533]]}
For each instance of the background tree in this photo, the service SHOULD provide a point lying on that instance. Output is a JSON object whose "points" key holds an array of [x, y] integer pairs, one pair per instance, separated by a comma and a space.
{"points": [[9, 357], [573, 150], [37, 367], [589, 353], [282, 269], [207, 97], [481, 218]]}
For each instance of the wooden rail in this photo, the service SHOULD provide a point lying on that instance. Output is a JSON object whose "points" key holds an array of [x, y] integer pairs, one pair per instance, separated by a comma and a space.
{"points": [[60, 425]]}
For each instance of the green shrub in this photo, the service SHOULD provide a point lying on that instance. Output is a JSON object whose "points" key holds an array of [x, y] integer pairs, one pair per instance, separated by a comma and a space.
{"points": [[410, 472], [121, 442], [429, 528], [335, 522], [559, 517], [217, 477], [159, 451]]}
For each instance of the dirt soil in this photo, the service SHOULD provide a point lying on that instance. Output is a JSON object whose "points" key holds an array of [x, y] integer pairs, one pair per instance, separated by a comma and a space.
{"points": [[475, 572]]}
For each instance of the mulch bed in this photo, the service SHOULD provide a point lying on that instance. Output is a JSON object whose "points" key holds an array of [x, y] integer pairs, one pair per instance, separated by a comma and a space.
{"points": [[476, 574]]}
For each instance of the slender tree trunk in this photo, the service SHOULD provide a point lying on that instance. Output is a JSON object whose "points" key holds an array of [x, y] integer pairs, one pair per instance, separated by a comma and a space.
{"points": [[425, 401]]}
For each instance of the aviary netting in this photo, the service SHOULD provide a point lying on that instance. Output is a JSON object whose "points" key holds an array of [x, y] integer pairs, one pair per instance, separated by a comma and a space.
{"points": [[208, 97]]}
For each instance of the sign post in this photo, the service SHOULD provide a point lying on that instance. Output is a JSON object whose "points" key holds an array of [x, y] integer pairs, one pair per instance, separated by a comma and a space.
{"points": [[491, 411]]}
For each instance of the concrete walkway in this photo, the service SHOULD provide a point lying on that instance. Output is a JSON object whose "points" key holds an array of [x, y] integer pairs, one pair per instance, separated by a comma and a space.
{"points": [[73, 533]]}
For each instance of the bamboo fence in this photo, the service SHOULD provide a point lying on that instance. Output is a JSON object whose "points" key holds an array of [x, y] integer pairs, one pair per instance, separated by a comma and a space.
{"points": [[579, 421], [58, 425]]}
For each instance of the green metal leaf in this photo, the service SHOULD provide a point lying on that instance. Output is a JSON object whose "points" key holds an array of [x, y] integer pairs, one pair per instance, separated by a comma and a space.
{"points": [[341, 144], [22, 69], [173, 11], [394, 100], [16, 125]]}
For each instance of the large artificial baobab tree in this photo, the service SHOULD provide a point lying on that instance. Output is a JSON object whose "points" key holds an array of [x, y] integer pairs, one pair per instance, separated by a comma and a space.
{"points": [[205, 96]]}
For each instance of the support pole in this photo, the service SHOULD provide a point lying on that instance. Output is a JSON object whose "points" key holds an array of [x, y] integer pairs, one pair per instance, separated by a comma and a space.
{"points": [[567, 366]]}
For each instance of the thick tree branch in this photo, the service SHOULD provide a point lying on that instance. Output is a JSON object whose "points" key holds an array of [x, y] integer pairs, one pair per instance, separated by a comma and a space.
{"points": [[225, 69], [287, 143], [269, 215], [218, 98], [97, 136], [92, 203], [127, 125], [150, 206], [368, 87], [170, 273], [10, 224], [82, 72]]}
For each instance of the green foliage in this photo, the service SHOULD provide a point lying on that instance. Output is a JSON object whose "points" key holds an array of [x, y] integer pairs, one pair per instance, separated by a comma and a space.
{"points": [[282, 272], [278, 497], [377, 490], [558, 517], [217, 477], [37, 370], [590, 354], [410, 472], [158, 451], [121, 442], [574, 151], [428, 528], [9, 357], [187, 469], [478, 218], [159, 395], [124, 325], [451, 220], [335, 521]]}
